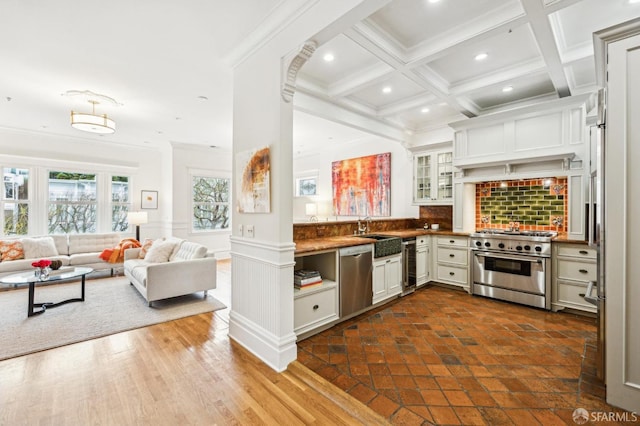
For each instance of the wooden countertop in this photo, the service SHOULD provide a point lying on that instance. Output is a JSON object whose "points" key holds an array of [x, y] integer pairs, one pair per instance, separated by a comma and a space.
{"points": [[329, 243], [562, 238]]}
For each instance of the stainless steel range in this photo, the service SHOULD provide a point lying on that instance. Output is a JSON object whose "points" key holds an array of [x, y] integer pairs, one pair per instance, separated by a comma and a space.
{"points": [[512, 266]]}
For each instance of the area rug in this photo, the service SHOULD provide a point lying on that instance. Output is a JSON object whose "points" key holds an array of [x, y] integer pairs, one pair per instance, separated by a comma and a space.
{"points": [[111, 305]]}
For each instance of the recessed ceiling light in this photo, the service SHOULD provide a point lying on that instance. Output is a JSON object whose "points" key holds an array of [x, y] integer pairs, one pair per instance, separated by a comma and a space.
{"points": [[634, 1], [386, 89], [481, 56], [434, 1], [507, 89], [203, 98], [328, 57], [424, 110]]}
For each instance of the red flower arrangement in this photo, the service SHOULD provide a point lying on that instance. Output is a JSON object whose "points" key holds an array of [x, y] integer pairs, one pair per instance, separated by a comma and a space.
{"points": [[42, 263]]}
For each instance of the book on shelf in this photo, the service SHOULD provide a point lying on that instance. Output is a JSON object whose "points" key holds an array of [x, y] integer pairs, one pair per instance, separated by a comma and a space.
{"points": [[308, 286], [306, 273], [310, 280]]}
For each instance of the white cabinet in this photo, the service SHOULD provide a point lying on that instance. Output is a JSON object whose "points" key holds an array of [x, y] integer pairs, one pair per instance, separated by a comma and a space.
{"points": [[574, 265], [387, 277], [540, 133], [422, 260], [316, 306], [433, 177], [452, 261]]}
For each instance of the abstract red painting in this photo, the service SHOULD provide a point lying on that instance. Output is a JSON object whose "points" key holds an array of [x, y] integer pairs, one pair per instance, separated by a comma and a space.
{"points": [[362, 186]]}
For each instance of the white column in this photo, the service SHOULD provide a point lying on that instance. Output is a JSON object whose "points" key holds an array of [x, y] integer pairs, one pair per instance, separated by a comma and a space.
{"points": [[262, 254]]}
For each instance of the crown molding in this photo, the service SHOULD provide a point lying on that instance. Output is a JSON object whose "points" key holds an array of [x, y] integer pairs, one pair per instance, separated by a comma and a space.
{"points": [[286, 12]]}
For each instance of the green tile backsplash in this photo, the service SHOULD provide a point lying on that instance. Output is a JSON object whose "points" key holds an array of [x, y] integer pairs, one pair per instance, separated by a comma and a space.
{"points": [[537, 204]]}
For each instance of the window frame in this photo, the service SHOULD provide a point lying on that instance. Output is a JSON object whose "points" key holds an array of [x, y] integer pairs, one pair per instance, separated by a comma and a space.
{"points": [[28, 201], [196, 173]]}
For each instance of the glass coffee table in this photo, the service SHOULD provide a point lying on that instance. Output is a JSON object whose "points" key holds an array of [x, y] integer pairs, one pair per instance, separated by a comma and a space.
{"points": [[59, 275]]}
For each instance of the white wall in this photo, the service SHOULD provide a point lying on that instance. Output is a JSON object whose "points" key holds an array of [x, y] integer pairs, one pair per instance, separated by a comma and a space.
{"points": [[401, 176]]}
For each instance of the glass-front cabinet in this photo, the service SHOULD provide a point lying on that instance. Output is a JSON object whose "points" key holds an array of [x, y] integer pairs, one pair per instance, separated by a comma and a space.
{"points": [[433, 177]]}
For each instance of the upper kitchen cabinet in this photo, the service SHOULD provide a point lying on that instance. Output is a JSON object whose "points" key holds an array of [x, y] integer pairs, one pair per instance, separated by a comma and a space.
{"points": [[433, 177], [548, 137]]}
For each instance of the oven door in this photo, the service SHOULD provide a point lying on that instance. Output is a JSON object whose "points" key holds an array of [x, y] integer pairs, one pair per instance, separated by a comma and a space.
{"points": [[520, 273]]}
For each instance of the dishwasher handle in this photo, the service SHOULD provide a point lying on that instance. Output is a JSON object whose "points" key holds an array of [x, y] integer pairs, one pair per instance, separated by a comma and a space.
{"points": [[356, 250]]}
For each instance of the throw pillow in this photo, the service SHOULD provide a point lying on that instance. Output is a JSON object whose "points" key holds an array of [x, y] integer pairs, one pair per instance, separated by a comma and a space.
{"points": [[11, 250], [160, 251], [145, 248], [39, 247]]}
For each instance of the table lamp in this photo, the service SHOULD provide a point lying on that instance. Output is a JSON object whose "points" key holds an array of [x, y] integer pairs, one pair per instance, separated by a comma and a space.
{"points": [[137, 219], [311, 210]]}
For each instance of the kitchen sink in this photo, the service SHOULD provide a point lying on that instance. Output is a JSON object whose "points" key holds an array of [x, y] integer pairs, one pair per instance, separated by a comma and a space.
{"points": [[384, 245]]}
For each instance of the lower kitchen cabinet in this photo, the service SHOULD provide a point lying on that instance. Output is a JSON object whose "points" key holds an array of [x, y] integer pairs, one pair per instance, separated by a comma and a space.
{"points": [[317, 306], [452, 261], [574, 266], [387, 277], [422, 261]]}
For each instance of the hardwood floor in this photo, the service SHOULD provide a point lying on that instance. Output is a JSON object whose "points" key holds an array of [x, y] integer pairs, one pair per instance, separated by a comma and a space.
{"points": [[181, 372]]}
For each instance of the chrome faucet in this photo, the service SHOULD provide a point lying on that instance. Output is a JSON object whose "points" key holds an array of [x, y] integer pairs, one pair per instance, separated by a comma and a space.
{"points": [[363, 228]]}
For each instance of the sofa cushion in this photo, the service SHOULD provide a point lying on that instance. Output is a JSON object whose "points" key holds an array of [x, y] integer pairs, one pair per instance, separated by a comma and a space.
{"points": [[22, 265], [89, 243], [39, 247], [11, 250], [189, 250], [80, 259], [138, 270], [160, 251]]}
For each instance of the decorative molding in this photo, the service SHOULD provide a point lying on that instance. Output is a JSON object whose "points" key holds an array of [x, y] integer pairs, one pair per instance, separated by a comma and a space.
{"points": [[294, 65], [261, 319], [281, 16], [276, 352]]}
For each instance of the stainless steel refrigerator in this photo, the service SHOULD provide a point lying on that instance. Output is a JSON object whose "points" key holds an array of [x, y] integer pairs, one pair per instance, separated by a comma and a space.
{"points": [[596, 229]]}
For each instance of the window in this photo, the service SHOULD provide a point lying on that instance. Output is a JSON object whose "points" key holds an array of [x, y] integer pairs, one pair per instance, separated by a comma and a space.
{"points": [[119, 203], [72, 203], [15, 201], [210, 203]]}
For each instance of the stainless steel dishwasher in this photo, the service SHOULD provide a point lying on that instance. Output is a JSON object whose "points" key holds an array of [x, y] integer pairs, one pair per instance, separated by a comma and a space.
{"points": [[356, 278]]}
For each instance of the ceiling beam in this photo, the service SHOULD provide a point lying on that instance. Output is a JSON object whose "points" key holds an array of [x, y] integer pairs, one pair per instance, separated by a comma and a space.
{"points": [[543, 33]]}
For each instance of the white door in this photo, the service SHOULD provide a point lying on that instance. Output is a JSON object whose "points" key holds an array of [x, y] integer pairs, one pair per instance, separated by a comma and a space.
{"points": [[622, 222]]}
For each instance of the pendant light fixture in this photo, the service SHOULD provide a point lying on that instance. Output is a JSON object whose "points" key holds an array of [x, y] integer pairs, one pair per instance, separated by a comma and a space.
{"points": [[92, 122]]}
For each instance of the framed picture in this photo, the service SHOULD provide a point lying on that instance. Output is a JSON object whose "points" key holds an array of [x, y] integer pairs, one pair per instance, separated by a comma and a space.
{"points": [[306, 184], [253, 181], [362, 186], [149, 200]]}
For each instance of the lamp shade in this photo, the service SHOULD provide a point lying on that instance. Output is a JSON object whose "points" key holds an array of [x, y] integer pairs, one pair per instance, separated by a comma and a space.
{"points": [[311, 209], [92, 123], [137, 218]]}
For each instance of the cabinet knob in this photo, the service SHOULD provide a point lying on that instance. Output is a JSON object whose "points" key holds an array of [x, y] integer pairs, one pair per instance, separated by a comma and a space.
{"points": [[452, 273], [315, 307], [584, 252], [583, 271], [452, 241], [452, 255]]}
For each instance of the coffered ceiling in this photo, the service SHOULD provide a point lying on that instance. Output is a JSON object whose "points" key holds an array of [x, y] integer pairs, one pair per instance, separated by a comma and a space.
{"points": [[167, 65], [423, 52]]}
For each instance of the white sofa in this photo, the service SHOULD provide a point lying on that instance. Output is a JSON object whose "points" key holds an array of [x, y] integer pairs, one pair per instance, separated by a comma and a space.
{"points": [[186, 271], [72, 250]]}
